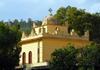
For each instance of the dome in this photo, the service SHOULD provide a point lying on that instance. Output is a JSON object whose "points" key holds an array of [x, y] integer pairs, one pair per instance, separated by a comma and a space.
{"points": [[50, 20]]}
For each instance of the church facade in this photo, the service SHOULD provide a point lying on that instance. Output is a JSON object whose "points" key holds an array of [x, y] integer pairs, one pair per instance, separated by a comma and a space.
{"points": [[44, 39]]}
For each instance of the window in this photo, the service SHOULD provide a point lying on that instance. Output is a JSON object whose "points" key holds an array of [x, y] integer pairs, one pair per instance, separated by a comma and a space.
{"points": [[56, 28], [30, 57], [24, 58], [39, 30], [38, 54]]}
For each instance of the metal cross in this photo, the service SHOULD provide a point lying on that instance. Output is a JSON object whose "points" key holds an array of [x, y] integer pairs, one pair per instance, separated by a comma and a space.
{"points": [[50, 10]]}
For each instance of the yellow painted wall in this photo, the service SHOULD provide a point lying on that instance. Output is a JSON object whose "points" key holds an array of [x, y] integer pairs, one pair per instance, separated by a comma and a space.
{"points": [[37, 30], [40, 51], [50, 44], [51, 28], [39, 27], [30, 46]]}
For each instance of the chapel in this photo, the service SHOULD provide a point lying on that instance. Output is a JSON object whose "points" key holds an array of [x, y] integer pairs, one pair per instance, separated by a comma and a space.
{"points": [[44, 39]]}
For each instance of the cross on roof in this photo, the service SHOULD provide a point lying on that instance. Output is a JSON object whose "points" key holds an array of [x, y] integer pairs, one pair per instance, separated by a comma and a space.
{"points": [[50, 10]]}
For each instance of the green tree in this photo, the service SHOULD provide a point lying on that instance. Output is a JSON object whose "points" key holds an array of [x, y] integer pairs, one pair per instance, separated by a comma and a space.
{"points": [[9, 49], [27, 30], [81, 21], [61, 15], [21, 23], [15, 21], [70, 58], [38, 23], [90, 57], [64, 58], [30, 22], [10, 23]]}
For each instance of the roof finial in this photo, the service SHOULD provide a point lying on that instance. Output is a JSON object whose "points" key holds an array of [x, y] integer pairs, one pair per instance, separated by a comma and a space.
{"points": [[50, 10]]}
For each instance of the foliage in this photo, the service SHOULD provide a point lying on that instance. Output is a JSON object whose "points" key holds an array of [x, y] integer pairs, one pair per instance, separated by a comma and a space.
{"points": [[27, 30], [64, 59], [24, 26], [9, 50], [71, 58], [90, 56], [38, 23], [81, 21]]}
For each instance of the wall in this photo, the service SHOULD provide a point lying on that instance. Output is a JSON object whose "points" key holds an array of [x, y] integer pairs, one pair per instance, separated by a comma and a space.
{"points": [[50, 44], [30, 46], [40, 51], [51, 28], [39, 27], [37, 30]]}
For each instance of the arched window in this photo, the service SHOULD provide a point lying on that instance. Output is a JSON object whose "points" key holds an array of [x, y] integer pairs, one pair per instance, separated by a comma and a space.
{"points": [[38, 54], [39, 30], [24, 58], [30, 57], [56, 28]]}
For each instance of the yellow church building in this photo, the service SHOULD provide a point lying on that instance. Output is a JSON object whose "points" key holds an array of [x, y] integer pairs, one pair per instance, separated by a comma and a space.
{"points": [[44, 39]]}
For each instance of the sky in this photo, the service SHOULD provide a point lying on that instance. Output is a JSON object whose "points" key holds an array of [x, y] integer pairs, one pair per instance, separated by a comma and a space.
{"points": [[38, 9]]}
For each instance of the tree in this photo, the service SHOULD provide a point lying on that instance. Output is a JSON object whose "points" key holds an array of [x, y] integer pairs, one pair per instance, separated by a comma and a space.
{"points": [[90, 57], [15, 21], [9, 49], [38, 23], [21, 23], [10, 23], [61, 15], [64, 58], [30, 22], [27, 30], [70, 58], [81, 21]]}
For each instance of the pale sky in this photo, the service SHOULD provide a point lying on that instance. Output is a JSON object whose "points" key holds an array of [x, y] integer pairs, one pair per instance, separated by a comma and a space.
{"points": [[38, 9]]}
